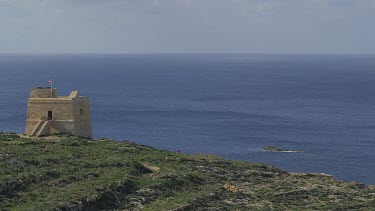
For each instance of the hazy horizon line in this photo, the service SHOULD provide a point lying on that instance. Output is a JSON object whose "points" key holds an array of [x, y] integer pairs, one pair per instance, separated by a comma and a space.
{"points": [[187, 53]]}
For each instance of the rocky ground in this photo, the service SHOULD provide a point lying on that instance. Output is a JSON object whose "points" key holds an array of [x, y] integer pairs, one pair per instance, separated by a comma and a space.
{"points": [[71, 173]]}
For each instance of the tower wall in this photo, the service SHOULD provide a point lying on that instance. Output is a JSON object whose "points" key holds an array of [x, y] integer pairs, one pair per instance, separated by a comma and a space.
{"points": [[62, 115], [62, 109], [82, 117], [69, 114]]}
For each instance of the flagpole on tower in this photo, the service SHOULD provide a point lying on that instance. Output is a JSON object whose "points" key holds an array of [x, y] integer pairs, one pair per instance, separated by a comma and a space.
{"points": [[50, 83]]}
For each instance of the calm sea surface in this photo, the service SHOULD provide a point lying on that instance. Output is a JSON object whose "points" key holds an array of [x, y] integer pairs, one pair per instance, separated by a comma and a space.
{"points": [[230, 105]]}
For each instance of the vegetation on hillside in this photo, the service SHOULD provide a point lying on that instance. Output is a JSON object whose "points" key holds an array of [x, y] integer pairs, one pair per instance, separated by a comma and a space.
{"points": [[71, 173]]}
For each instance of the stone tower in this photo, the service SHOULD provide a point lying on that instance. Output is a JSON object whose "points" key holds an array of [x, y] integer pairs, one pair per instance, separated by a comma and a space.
{"points": [[48, 114]]}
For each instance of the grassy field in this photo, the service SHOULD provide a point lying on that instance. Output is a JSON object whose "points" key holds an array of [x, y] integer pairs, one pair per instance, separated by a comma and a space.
{"points": [[71, 173]]}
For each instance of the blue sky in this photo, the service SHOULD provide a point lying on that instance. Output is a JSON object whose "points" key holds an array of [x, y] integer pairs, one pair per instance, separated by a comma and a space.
{"points": [[185, 26]]}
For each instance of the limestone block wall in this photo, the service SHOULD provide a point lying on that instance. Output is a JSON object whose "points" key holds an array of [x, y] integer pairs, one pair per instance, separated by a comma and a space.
{"points": [[62, 109], [61, 127], [30, 126], [43, 93], [46, 130], [70, 114], [82, 117]]}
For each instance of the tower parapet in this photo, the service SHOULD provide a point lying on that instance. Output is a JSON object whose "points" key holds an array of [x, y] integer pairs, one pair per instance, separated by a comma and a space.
{"points": [[43, 92]]}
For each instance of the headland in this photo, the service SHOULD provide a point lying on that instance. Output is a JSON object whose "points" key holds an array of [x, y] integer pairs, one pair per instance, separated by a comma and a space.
{"points": [[65, 172]]}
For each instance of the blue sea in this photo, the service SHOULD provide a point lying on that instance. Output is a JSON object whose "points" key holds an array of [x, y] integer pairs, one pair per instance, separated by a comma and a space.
{"points": [[225, 104]]}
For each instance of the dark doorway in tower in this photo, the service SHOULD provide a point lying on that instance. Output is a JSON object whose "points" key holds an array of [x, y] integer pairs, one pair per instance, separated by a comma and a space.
{"points": [[49, 115]]}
